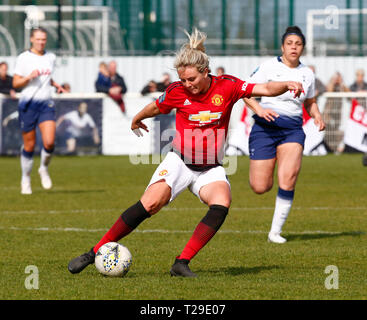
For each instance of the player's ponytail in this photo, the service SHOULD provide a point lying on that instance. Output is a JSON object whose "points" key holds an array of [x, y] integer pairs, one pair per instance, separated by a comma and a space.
{"points": [[193, 53]]}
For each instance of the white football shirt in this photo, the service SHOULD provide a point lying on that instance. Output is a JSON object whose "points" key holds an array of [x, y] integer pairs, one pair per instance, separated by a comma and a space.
{"points": [[38, 89], [285, 104], [78, 123]]}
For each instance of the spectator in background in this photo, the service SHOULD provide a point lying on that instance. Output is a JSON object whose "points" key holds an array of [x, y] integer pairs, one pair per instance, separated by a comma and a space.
{"points": [[6, 81], [118, 86], [66, 87], [166, 81], [149, 88], [359, 84], [336, 84], [220, 71], [103, 82], [334, 136], [319, 86]]}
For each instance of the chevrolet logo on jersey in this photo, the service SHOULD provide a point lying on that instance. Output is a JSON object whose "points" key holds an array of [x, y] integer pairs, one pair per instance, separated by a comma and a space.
{"points": [[205, 116]]}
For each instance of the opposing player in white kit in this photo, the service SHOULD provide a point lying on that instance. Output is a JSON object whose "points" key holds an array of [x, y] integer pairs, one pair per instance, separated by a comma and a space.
{"points": [[277, 135], [33, 70]]}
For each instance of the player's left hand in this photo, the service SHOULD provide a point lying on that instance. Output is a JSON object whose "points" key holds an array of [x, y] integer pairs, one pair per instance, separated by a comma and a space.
{"points": [[319, 122], [136, 126], [268, 114]]}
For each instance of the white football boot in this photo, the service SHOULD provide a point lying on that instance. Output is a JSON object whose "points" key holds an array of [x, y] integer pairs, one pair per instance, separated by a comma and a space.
{"points": [[26, 185], [276, 238], [45, 178]]}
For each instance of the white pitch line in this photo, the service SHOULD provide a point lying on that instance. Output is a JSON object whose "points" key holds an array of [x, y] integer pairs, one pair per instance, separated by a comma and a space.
{"points": [[181, 231], [74, 211], [59, 211]]}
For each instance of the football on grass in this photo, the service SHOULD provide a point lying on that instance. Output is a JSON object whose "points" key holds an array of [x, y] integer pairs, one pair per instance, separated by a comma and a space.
{"points": [[113, 259]]}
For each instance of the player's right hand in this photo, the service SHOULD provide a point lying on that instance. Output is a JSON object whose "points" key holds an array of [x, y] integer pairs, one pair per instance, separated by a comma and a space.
{"points": [[295, 87], [34, 74]]}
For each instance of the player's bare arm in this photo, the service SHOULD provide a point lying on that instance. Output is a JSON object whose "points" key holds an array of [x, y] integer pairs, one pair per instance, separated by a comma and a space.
{"points": [[314, 112], [149, 111], [267, 114], [276, 88], [20, 82]]}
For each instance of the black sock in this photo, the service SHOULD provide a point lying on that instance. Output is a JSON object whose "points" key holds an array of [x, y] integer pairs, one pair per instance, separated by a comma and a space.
{"points": [[215, 216], [125, 224], [135, 215]]}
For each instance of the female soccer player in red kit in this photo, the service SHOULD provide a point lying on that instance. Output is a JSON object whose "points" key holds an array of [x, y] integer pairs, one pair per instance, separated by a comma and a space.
{"points": [[203, 106]]}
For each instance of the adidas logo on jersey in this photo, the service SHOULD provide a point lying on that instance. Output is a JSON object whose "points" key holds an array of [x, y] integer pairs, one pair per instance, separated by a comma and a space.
{"points": [[187, 102]]}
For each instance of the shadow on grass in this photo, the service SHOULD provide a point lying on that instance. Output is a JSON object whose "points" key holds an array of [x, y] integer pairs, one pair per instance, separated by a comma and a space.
{"points": [[237, 271], [323, 235], [56, 192]]}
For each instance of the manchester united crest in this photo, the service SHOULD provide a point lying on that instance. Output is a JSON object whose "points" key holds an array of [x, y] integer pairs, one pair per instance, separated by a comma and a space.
{"points": [[217, 100], [163, 172]]}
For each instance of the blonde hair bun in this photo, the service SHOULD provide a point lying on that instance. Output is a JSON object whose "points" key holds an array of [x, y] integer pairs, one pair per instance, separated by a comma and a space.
{"points": [[193, 53]]}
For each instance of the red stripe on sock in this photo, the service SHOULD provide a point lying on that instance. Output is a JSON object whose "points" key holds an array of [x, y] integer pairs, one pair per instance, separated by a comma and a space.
{"points": [[119, 230], [198, 240]]}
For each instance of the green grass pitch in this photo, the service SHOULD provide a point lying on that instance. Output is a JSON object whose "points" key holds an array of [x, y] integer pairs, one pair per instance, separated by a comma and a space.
{"points": [[327, 227]]}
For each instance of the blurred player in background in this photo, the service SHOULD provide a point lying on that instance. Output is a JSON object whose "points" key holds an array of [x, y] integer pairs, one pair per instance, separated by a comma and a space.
{"points": [[79, 123], [203, 104], [33, 71], [277, 135]]}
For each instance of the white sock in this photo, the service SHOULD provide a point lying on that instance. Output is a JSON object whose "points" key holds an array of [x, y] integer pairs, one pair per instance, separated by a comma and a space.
{"points": [[45, 159], [26, 163], [283, 205]]}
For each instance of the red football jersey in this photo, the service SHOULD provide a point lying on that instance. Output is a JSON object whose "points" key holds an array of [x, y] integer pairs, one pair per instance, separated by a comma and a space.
{"points": [[202, 120]]}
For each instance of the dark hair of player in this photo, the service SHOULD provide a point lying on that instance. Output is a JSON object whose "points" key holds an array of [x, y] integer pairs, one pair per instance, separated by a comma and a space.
{"points": [[296, 31], [33, 31]]}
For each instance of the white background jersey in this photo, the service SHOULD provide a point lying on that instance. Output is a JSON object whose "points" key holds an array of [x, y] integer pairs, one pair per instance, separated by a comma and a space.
{"points": [[78, 123], [275, 70], [38, 89]]}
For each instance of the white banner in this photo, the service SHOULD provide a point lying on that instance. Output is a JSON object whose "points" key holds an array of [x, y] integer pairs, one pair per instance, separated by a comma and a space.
{"points": [[356, 130], [238, 136], [314, 145], [118, 139]]}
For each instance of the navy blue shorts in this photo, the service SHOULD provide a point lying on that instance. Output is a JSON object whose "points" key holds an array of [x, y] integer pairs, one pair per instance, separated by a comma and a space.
{"points": [[35, 112], [264, 140]]}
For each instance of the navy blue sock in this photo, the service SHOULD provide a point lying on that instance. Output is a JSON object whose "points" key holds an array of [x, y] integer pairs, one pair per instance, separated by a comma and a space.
{"points": [[28, 155], [285, 194], [49, 150]]}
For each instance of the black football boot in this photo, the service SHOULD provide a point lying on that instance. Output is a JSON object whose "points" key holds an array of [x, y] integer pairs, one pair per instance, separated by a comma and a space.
{"points": [[80, 263], [181, 269]]}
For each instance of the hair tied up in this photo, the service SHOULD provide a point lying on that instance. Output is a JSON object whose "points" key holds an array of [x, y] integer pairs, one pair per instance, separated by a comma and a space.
{"points": [[193, 53], [294, 30], [196, 40]]}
